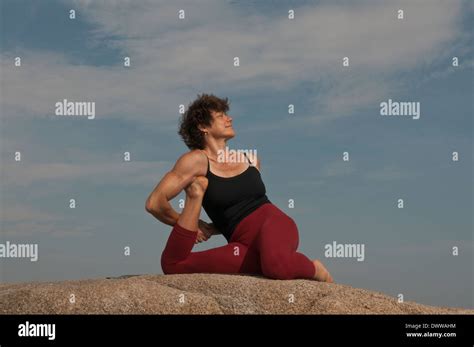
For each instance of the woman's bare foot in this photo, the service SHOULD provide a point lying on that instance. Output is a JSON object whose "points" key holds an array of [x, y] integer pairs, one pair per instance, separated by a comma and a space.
{"points": [[322, 274], [197, 188]]}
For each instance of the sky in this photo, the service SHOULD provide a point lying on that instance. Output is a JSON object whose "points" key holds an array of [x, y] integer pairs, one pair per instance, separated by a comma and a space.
{"points": [[283, 61]]}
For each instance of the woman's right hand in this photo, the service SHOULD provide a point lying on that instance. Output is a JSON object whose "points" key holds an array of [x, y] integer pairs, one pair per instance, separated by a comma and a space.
{"points": [[205, 231]]}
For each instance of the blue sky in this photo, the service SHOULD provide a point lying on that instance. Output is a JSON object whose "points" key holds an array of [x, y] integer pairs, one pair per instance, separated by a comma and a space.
{"points": [[283, 62]]}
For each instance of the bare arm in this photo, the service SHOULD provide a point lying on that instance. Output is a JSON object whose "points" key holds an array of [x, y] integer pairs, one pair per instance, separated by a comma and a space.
{"points": [[188, 166]]}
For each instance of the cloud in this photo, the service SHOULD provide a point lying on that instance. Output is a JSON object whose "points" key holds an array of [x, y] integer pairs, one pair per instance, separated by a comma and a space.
{"points": [[24, 174], [24, 213], [57, 229], [337, 168], [306, 183], [174, 59], [22, 220], [390, 173], [427, 248]]}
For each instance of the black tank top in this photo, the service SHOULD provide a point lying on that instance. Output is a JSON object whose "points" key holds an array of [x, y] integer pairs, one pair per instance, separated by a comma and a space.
{"points": [[228, 200]]}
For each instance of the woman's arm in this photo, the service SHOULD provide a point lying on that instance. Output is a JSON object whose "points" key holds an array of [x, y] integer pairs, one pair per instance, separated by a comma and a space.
{"points": [[188, 166]]}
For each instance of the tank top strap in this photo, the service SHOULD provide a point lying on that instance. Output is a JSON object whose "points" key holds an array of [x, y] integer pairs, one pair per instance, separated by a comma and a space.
{"points": [[248, 158], [208, 165]]}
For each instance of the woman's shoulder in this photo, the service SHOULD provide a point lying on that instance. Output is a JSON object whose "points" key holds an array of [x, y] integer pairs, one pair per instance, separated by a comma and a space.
{"points": [[195, 159]]}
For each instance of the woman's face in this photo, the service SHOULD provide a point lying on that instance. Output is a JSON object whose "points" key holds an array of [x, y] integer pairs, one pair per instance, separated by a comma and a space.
{"points": [[221, 126]]}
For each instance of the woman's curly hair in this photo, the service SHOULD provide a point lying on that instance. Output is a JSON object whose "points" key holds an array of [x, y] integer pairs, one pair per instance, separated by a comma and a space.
{"points": [[198, 113]]}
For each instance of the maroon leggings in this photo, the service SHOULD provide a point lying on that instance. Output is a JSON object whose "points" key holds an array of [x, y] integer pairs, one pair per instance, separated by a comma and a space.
{"points": [[263, 243]]}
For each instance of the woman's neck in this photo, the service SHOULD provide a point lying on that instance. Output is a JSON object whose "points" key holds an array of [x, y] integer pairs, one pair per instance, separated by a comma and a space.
{"points": [[213, 149]]}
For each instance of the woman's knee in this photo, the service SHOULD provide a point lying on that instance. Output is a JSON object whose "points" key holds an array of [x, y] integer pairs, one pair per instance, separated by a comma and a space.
{"points": [[169, 266]]}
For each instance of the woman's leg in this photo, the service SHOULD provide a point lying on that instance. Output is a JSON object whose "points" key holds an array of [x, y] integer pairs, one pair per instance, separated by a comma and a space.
{"points": [[177, 256], [278, 242]]}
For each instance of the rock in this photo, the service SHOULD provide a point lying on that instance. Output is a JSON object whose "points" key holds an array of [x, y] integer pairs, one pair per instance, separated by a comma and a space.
{"points": [[201, 294]]}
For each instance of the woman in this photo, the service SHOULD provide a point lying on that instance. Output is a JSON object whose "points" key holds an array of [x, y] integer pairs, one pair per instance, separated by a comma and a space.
{"points": [[262, 239]]}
